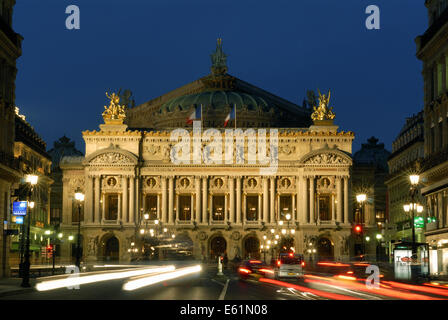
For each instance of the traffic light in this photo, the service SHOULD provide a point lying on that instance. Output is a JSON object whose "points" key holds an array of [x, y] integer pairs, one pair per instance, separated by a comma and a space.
{"points": [[358, 229]]}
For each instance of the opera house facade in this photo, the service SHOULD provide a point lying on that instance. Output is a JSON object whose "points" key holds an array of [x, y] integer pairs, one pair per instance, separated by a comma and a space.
{"points": [[271, 175]]}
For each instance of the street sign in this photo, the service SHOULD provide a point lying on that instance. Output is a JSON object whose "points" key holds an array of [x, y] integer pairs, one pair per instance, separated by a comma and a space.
{"points": [[19, 208], [17, 219]]}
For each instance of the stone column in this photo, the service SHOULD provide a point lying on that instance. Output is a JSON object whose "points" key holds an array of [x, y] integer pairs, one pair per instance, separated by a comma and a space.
{"points": [[238, 200], [272, 200], [211, 206], [170, 200], [346, 200], [305, 200], [299, 188], [260, 211], [204, 200], [192, 210], [120, 210], [339, 199], [125, 210], [333, 210], [134, 215], [164, 202], [97, 199], [131, 200], [103, 208], [198, 199], [293, 207], [89, 201], [312, 213], [265, 200], [226, 205], [232, 199], [159, 217], [177, 215]]}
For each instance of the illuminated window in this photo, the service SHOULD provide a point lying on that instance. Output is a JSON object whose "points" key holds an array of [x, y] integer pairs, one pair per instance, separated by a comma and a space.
{"points": [[185, 208], [324, 207], [111, 207], [252, 208], [285, 206], [218, 208], [151, 206]]}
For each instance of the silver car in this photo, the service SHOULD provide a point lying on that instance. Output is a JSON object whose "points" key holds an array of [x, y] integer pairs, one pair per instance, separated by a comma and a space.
{"points": [[289, 265]]}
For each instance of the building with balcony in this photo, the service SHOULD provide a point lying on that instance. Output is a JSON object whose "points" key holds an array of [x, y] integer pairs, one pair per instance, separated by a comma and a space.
{"points": [[128, 173], [407, 153], [30, 150], [432, 50], [10, 51]]}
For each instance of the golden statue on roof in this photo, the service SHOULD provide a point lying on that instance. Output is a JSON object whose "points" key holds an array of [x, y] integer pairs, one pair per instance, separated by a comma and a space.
{"points": [[323, 111], [114, 113]]}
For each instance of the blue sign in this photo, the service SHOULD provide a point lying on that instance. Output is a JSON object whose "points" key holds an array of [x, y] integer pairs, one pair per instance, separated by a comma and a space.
{"points": [[19, 220], [19, 208]]}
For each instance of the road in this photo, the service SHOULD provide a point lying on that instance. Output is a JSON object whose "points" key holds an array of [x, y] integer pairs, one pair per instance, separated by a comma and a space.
{"points": [[206, 285]]}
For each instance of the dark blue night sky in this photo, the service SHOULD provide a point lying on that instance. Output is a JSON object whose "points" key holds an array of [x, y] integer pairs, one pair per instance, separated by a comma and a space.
{"points": [[282, 46]]}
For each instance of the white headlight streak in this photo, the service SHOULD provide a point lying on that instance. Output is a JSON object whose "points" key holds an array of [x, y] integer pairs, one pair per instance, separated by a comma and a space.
{"points": [[77, 279], [152, 279]]}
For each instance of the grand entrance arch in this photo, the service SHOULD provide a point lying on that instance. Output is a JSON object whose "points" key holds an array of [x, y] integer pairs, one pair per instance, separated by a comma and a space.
{"points": [[111, 249], [218, 246], [251, 248], [325, 249]]}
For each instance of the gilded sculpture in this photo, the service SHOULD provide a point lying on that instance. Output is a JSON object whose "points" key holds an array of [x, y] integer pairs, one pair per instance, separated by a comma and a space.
{"points": [[114, 112], [323, 111]]}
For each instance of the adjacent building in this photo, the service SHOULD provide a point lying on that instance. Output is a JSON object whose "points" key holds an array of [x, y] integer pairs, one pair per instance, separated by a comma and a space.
{"points": [[10, 51], [369, 172], [134, 167], [30, 150], [407, 154], [432, 50]]}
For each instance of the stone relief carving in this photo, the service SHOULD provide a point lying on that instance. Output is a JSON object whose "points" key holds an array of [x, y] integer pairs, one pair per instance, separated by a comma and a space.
{"points": [[75, 183], [236, 236], [326, 158], [92, 246], [111, 158], [153, 149], [287, 149]]}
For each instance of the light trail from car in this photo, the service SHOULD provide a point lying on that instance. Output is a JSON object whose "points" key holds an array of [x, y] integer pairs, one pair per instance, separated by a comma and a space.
{"points": [[153, 279], [78, 279]]}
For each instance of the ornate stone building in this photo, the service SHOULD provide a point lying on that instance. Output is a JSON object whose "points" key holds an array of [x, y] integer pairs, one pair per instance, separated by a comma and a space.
{"points": [[407, 151], [432, 49], [228, 207], [10, 51]]}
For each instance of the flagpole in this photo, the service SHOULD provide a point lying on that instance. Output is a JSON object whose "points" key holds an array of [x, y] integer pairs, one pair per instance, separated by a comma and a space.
{"points": [[234, 110]]}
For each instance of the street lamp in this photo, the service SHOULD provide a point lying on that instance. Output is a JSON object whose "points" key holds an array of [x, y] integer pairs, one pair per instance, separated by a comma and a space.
{"points": [[32, 180], [79, 196], [361, 198]]}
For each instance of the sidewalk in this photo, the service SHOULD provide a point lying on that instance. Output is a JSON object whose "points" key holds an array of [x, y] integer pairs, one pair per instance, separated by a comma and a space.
{"points": [[11, 286]]}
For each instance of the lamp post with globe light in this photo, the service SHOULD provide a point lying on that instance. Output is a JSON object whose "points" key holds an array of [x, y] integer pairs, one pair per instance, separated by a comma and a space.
{"points": [[79, 197], [360, 219], [32, 181]]}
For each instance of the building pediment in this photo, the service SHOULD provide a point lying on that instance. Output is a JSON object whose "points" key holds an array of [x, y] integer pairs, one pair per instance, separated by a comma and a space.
{"points": [[327, 157], [112, 156]]}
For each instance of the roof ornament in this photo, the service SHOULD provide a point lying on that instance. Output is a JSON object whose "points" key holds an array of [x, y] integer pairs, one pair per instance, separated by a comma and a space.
{"points": [[219, 59], [114, 113], [323, 112]]}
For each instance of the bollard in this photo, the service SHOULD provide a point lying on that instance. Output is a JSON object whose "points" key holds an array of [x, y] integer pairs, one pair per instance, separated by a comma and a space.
{"points": [[220, 267]]}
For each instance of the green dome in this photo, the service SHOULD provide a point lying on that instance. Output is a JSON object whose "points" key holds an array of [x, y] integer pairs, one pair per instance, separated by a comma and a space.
{"points": [[217, 100]]}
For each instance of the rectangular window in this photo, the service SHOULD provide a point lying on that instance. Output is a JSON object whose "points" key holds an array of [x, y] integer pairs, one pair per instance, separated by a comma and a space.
{"points": [[151, 206], [185, 208], [252, 208], [218, 208], [324, 207], [432, 84], [112, 206], [440, 135], [285, 206], [439, 78]]}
